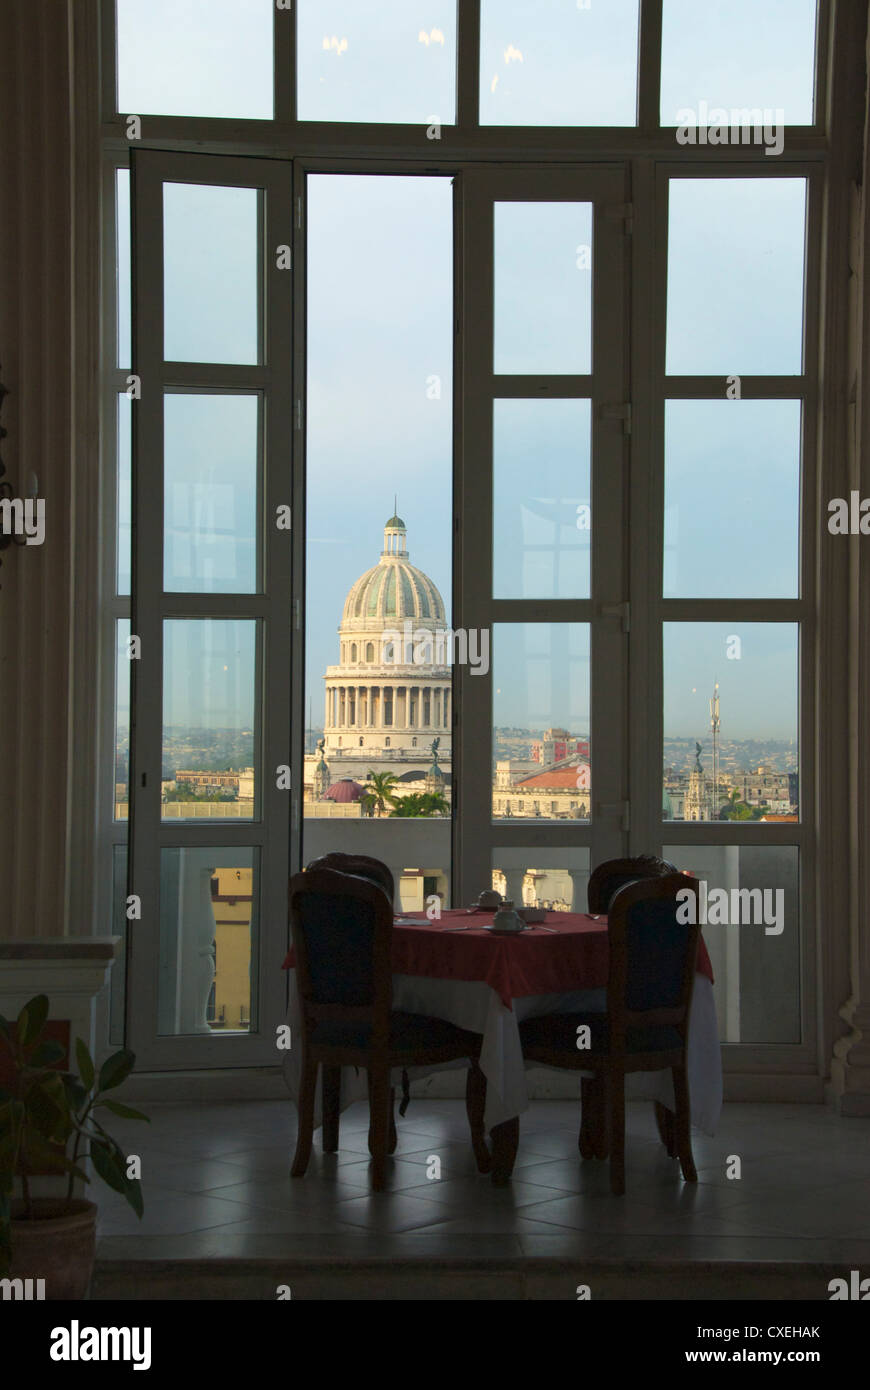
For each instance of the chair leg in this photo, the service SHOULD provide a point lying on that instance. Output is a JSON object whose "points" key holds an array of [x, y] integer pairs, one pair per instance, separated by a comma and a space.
{"points": [[392, 1136], [379, 1123], [586, 1139], [616, 1115], [305, 1132], [683, 1124], [665, 1126], [600, 1131], [331, 1092], [475, 1105]]}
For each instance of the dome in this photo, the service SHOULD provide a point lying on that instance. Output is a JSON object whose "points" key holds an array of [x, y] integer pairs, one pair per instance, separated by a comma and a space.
{"points": [[345, 791], [393, 590]]}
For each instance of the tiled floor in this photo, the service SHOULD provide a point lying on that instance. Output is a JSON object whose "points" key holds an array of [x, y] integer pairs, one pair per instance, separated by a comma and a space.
{"points": [[216, 1179]]}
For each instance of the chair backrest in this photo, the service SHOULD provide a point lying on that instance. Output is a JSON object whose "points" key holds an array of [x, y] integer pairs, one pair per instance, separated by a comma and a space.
{"points": [[653, 947], [342, 928], [363, 865], [607, 878]]}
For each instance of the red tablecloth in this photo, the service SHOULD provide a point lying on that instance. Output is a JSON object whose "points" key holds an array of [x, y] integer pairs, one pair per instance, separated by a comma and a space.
{"points": [[573, 956]]}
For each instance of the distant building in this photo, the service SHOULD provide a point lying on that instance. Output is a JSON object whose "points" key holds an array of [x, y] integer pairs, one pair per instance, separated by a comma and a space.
{"points": [[387, 702]]}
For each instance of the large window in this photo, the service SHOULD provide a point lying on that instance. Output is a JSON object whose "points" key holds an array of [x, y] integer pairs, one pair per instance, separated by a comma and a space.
{"points": [[461, 413]]}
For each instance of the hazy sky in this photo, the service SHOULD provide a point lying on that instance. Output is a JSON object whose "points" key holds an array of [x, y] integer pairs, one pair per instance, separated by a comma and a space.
{"points": [[380, 291]]}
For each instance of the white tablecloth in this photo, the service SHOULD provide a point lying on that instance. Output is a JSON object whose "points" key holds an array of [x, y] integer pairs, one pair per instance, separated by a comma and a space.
{"points": [[476, 1007]]}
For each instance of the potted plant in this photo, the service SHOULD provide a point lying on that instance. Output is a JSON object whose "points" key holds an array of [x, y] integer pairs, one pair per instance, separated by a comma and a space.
{"points": [[48, 1122]]}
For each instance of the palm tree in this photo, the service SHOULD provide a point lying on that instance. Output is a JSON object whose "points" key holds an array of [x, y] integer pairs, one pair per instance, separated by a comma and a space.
{"points": [[380, 793]]}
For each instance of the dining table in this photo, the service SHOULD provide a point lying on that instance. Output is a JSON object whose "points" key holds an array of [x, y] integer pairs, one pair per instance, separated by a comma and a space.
{"points": [[456, 967]]}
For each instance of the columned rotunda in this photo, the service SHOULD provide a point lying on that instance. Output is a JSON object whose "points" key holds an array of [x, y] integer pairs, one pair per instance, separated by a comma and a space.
{"points": [[384, 709]]}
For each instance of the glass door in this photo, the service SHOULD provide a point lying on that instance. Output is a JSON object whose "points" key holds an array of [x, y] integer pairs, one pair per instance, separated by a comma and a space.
{"points": [[211, 642], [544, 428]]}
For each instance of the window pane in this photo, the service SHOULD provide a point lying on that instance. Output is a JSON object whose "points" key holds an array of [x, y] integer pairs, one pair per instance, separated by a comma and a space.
{"points": [[540, 684], [210, 273], [122, 265], [379, 532], [208, 718], [124, 491], [735, 275], [730, 721], [122, 719], [749, 909], [543, 288], [210, 493], [556, 63], [541, 483], [548, 883], [377, 60], [199, 58], [208, 916], [748, 53], [732, 499]]}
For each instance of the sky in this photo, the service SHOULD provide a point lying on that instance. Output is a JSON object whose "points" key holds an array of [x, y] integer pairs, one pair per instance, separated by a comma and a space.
{"points": [[379, 321]]}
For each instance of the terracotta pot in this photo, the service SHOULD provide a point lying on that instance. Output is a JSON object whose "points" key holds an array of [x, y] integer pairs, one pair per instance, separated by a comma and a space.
{"points": [[58, 1245]]}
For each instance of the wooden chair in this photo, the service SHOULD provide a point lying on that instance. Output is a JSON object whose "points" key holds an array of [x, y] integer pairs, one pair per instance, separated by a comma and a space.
{"points": [[606, 880], [342, 928], [363, 865], [652, 956]]}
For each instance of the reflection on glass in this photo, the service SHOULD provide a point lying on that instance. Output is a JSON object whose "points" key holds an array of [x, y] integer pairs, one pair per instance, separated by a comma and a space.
{"points": [[540, 756], [732, 499], [547, 883], [121, 779], [749, 909], [122, 265], [208, 718], [210, 493], [541, 487], [124, 492], [210, 273], [378, 747], [200, 58], [746, 54], [543, 287], [735, 276], [553, 63], [208, 934], [730, 722], [377, 60]]}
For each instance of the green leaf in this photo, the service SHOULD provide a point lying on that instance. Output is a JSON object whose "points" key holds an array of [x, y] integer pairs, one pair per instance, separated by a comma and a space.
{"points": [[38, 1153], [5, 1027], [85, 1064], [116, 1069], [46, 1115], [47, 1053], [31, 1020], [75, 1092], [125, 1111], [133, 1193], [106, 1162]]}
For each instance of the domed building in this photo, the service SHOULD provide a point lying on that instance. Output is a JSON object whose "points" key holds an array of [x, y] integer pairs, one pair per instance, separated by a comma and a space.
{"points": [[389, 697]]}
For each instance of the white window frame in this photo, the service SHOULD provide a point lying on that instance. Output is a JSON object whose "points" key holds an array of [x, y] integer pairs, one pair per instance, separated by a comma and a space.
{"points": [[649, 153]]}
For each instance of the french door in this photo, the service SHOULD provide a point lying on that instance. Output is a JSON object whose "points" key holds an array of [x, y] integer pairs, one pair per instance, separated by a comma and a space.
{"points": [[214, 608], [543, 430], [542, 424]]}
